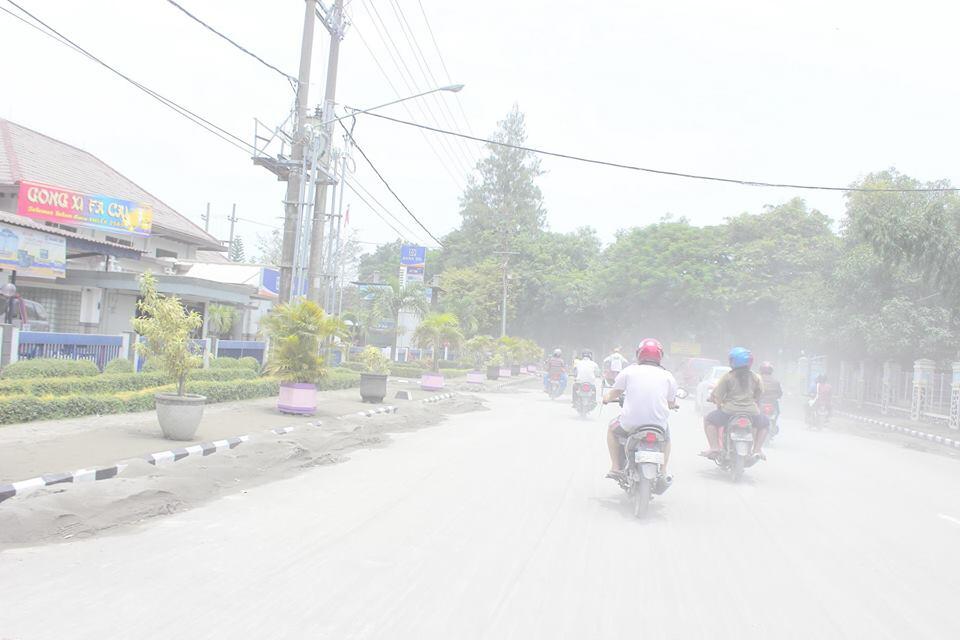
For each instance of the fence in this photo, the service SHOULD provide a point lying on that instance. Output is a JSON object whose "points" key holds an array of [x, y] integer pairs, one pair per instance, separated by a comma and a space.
{"points": [[241, 349], [71, 346]]}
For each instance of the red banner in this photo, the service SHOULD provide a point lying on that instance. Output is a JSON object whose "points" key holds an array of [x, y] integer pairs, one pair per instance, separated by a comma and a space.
{"points": [[53, 204]]}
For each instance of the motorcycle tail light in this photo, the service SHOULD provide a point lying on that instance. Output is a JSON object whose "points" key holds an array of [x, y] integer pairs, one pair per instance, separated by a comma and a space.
{"points": [[651, 436], [743, 422], [768, 409], [585, 387]]}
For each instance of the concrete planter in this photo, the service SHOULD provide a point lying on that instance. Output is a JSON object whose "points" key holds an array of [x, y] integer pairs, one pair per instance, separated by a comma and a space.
{"points": [[476, 377], [298, 398], [373, 387], [179, 416], [431, 381], [504, 372], [493, 373], [515, 370]]}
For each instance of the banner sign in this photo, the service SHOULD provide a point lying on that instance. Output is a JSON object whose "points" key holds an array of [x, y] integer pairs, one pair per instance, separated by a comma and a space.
{"points": [[270, 283], [413, 255], [53, 204], [32, 253]]}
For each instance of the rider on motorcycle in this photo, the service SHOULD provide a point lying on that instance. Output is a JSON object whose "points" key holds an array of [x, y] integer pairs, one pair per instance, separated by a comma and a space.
{"points": [[614, 364], [585, 370], [649, 392], [822, 392], [772, 390], [738, 391], [555, 368]]}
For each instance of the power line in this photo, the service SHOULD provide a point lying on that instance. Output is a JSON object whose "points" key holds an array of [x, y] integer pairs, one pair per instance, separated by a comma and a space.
{"points": [[411, 234], [349, 184], [387, 185], [663, 172], [443, 64], [181, 110], [290, 78]]}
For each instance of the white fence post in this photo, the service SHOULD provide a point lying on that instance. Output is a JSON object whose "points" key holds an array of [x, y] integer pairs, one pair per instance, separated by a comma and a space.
{"points": [[954, 420], [206, 353], [888, 387], [922, 378], [14, 344]]}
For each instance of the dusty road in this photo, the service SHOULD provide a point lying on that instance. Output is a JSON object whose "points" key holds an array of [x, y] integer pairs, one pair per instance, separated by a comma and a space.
{"points": [[499, 524]]}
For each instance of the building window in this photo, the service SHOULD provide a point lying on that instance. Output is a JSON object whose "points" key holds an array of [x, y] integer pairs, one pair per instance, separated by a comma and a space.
{"points": [[61, 226], [125, 243], [164, 253]]}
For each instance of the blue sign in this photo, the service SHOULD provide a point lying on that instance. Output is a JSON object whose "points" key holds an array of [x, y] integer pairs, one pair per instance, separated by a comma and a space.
{"points": [[412, 254], [270, 283]]}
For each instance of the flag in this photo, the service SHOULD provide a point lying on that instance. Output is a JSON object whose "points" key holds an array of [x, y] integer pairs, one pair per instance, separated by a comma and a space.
{"points": [[346, 216]]}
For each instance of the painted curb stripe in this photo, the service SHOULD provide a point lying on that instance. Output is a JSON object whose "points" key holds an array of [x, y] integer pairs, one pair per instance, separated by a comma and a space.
{"points": [[904, 430]]}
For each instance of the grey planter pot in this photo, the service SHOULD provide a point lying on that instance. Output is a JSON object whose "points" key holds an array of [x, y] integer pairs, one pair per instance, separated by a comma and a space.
{"points": [[179, 416], [493, 373], [373, 387]]}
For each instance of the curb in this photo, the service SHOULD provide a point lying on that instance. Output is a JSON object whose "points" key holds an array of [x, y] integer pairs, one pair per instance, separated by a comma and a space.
{"points": [[23, 487], [932, 437], [442, 396]]}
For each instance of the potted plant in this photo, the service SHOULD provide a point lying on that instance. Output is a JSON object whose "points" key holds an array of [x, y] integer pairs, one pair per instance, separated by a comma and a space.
{"points": [[373, 381], [167, 327], [296, 330], [436, 331], [494, 364], [476, 351]]}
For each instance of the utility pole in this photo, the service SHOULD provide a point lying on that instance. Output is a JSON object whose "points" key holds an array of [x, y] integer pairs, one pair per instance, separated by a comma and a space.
{"points": [[206, 219], [233, 221], [292, 202], [317, 285], [503, 307]]}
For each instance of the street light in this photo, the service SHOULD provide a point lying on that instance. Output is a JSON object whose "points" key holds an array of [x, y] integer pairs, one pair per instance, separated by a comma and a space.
{"points": [[452, 88]]}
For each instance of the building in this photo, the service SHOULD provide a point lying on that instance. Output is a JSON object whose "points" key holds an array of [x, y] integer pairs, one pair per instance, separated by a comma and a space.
{"points": [[75, 234]]}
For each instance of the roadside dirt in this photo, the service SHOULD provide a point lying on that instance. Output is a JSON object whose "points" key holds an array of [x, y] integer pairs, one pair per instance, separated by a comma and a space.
{"points": [[144, 492]]}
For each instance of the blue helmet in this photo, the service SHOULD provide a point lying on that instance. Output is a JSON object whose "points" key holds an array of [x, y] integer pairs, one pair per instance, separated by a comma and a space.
{"points": [[740, 357]]}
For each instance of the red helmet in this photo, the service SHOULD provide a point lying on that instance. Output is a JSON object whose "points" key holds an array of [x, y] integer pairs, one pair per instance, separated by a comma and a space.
{"points": [[650, 350], [766, 367]]}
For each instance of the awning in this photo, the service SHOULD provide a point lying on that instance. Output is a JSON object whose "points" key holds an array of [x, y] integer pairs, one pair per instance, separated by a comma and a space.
{"points": [[76, 243]]}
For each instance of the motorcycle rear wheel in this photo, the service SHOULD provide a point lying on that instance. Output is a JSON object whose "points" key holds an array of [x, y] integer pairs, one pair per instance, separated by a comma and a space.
{"points": [[641, 497], [736, 469]]}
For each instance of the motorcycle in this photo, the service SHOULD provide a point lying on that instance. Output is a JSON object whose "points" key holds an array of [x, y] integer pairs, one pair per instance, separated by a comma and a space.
{"points": [[769, 409], [585, 400], [643, 451], [554, 388], [736, 440], [817, 415]]}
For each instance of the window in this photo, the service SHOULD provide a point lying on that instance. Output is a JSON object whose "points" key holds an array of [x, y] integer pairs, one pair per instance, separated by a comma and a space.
{"points": [[164, 253], [61, 226]]}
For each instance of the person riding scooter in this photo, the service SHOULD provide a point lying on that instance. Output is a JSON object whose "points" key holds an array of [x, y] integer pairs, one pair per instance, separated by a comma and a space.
{"points": [[586, 370], [772, 391], [612, 365], [649, 393], [556, 369], [738, 391]]}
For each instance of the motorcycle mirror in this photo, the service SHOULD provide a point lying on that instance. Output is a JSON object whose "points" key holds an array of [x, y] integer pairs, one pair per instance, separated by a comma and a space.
{"points": [[682, 393]]}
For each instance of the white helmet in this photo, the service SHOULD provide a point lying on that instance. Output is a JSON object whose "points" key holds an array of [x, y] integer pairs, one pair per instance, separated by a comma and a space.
{"points": [[556, 353]]}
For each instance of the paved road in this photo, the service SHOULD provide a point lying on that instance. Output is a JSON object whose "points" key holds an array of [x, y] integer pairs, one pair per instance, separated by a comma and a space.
{"points": [[499, 524]]}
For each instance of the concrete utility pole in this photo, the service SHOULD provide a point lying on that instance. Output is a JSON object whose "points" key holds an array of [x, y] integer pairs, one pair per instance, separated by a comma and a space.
{"points": [[233, 222], [292, 201], [503, 307], [206, 219], [316, 276]]}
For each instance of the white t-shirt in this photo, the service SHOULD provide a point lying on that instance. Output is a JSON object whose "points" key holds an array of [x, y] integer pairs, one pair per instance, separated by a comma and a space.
{"points": [[615, 362], [586, 371], [648, 391]]}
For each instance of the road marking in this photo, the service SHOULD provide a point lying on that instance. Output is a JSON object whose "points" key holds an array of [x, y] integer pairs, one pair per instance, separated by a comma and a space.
{"points": [[955, 521]]}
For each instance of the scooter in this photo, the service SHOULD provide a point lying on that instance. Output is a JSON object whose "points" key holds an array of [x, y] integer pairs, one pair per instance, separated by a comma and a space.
{"points": [[585, 399]]}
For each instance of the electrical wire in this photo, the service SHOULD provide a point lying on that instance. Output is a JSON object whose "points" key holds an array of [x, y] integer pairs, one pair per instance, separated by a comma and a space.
{"points": [[181, 110], [663, 172], [408, 232], [443, 64], [350, 186], [387, 185], [293, 80]]}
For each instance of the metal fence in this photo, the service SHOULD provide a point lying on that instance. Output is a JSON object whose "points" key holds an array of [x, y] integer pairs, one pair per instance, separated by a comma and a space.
{"points": [[241, 349], [70, 346]]}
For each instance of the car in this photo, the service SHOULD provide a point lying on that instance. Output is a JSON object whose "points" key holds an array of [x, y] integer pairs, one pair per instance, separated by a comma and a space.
{"points": [[705, 387]]}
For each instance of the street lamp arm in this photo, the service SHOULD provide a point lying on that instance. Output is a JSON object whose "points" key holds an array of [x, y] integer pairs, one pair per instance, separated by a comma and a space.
{"points": [[453, 88]]}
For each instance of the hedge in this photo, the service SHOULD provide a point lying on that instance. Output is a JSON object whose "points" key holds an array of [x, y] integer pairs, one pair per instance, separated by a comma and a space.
{"points": [[400, 371], [338, 380], [112, 382], [50, 368], [353, 366], [25, 408], [119, 365]]}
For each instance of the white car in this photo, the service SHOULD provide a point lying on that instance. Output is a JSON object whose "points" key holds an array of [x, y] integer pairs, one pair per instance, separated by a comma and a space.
{"points": [[705, 388]]}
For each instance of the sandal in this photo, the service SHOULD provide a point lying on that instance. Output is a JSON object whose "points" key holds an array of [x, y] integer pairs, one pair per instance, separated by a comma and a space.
{"points": [[710, 454]]}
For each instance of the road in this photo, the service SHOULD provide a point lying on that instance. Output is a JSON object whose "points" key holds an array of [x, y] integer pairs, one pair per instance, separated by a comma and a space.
{"points": [[499, 524]]}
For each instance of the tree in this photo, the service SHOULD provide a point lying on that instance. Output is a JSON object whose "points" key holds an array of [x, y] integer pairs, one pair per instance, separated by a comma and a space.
{"points": [[436, 331], [237, 253], [296, 332], [383, 262], [270, 248], [220, 319]]}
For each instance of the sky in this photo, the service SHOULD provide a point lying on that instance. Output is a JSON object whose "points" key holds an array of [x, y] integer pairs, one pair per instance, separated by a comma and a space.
{"points": [[813, 92]]}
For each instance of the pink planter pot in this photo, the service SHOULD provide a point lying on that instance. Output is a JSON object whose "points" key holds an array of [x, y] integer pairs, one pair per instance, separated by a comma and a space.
{"points": [[504, 372], [476, 377], [431, 381], [297, 397]]}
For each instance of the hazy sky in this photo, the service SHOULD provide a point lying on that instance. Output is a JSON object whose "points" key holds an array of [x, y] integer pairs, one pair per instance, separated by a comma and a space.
{"points": [[814, 92]]}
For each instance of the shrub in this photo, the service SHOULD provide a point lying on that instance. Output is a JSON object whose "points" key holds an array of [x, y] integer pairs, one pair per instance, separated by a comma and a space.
{"points": [[25, 408], [402, 371], [339, 380], [50, 368], [119, 365], [246, 362], [112, 382], [374, 361], [353, 366]]}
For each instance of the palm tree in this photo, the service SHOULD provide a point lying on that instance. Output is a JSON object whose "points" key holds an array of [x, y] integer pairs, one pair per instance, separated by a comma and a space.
{"points": [[220, 319], [437, 330], [389, 302]]}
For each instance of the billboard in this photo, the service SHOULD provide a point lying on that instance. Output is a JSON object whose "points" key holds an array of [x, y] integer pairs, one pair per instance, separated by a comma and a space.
{"points": [[413, 255], [63, 206], [32, 253]]}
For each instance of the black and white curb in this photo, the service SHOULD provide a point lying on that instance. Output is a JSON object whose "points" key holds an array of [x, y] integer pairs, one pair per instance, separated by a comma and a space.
{"points": [[23, 487], [442, 396], [932, 437]]}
